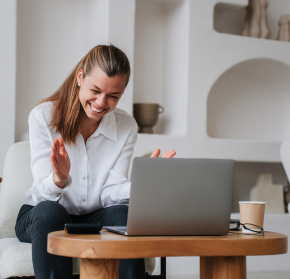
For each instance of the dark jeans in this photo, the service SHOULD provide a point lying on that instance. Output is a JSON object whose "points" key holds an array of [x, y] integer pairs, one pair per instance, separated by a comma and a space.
{"points": [[35, 223]]}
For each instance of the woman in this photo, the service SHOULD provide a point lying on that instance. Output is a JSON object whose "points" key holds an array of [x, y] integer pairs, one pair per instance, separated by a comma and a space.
{"points": [[81, 146]]}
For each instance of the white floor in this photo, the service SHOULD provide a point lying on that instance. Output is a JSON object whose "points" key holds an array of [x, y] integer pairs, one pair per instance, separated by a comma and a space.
{"points": [[252, 275]]}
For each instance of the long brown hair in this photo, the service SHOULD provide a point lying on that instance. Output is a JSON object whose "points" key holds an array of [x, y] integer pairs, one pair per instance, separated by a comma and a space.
{"points": [[67, 111]]}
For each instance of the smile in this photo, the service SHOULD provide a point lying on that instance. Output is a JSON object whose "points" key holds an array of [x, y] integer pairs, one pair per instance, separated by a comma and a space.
{"points": [[95, 109]]}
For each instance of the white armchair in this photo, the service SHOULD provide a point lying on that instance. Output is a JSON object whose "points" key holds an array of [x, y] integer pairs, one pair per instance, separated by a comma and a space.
{"points": [[16, 257]]}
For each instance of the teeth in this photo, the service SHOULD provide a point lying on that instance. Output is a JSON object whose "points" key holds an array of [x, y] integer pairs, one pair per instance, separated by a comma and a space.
{"points": [[94, 109]]}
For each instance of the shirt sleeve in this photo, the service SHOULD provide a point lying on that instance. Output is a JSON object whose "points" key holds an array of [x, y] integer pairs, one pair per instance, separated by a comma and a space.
{"points": [[43, 187], [116, 189]]}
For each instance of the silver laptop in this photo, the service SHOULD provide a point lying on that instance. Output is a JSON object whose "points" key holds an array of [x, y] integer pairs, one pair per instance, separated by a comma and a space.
{"points": [[179, 197]]}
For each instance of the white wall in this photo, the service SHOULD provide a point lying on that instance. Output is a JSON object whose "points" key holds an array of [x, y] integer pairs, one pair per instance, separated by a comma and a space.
{"points": [[121, 34], [7, 75], [52, 36]]}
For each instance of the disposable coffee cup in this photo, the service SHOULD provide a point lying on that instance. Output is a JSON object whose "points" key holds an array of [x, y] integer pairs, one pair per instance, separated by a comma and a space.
{"points": [[252, 212]]}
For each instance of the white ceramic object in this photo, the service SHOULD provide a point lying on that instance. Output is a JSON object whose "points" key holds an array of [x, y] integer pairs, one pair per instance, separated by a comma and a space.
{"points": [[272, 194]]}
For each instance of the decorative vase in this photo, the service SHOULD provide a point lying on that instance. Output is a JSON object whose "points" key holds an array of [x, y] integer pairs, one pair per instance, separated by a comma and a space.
{"points": [[256, 19], [146, 115], [284, 28]]}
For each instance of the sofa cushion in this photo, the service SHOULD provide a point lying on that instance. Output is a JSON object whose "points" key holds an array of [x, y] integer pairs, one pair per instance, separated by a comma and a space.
{"points": [[16, 259], [150, 265], [17, 179]]}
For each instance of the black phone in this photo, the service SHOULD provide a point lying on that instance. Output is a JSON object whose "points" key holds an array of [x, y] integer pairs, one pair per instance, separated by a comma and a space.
{"points": [[234, 224], [75, 228]]}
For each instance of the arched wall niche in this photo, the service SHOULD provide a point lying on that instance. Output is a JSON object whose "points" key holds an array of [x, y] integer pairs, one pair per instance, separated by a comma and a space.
{"points": [[229, 18], [251, 101]]}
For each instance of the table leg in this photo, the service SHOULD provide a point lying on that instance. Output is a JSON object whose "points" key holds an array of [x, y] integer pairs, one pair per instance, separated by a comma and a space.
{"points": [[223, 268], [99, 269]]}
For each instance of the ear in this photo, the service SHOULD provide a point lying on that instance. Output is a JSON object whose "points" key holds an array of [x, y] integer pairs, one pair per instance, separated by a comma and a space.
{"points": [[80, 77]]}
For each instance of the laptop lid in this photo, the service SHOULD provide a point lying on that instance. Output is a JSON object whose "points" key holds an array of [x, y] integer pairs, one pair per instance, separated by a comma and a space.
{"points": [[180, 196]]}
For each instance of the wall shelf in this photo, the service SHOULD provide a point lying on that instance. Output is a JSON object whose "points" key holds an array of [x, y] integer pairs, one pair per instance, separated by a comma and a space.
{"points": [[229, 17], [160, 60]]}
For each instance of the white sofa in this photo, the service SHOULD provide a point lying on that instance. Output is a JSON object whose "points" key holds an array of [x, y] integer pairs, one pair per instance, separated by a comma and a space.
{"points": [[16, 257]]}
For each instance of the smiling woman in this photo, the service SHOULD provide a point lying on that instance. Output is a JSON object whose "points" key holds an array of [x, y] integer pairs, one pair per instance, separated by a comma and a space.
{"points": [[81, 147], [103, 68], [99, 94]]}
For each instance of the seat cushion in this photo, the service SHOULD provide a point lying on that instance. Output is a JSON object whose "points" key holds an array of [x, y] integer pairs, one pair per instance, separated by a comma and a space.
{"points": [[17, 179], [150, 265], [16, 259]]}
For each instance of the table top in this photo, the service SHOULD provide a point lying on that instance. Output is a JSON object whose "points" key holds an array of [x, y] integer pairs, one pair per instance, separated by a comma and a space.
{"points": [[108, 245]]}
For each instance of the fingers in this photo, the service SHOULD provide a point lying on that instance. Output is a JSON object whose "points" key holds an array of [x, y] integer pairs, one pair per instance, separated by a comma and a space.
{"points": [[62, 150], [155, 153], [55, 145], [169, 154], [53, 162], [58, 147], [53, 149]]}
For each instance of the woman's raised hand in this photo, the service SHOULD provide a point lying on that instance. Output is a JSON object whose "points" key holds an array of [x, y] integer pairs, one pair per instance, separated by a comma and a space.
{"points": [[168, 154], [60, 163]]}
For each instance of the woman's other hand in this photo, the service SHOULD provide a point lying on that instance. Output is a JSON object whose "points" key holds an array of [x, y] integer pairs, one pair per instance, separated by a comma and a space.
{"points": [[168, 154], [60, 163]]}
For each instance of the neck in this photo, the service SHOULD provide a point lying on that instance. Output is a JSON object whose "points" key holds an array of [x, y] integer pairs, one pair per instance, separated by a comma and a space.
{"points": [[88, 127]]}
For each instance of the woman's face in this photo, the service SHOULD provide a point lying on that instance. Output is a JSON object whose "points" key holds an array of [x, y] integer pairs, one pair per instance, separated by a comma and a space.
{"points": [[100, 94]]}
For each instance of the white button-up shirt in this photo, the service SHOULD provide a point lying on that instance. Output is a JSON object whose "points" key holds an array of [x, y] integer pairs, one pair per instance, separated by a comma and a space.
{"points": [[99, 169]]}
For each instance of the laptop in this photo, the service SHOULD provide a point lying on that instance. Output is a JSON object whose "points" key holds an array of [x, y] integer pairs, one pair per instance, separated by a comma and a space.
{"points": [[173, 196]]}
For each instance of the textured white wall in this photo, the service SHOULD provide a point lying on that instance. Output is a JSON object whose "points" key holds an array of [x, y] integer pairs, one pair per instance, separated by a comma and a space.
{"points": [[7, 75]]}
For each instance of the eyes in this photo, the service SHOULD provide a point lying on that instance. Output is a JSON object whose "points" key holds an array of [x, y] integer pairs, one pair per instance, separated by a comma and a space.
{"points": [[110, 96]]}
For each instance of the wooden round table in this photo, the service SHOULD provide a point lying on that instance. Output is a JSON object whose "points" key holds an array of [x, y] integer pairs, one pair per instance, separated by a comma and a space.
{"points": [[220, 256]]}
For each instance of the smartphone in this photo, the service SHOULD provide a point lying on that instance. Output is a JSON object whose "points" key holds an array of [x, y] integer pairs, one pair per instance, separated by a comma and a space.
{"points": [[75, 228], [234, 224]]}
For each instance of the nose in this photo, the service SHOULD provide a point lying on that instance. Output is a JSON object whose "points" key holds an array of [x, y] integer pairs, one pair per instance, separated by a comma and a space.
{"points": [[101, 100]]}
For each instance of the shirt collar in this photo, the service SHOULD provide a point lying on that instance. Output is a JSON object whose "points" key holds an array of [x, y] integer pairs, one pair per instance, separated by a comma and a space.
{"points": [[108, 127]]}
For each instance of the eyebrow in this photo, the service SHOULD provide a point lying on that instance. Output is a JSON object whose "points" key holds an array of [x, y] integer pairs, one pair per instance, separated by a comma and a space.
{"points": [[109, 93]]}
